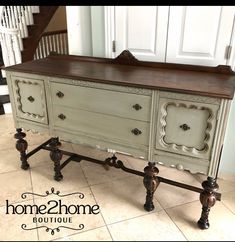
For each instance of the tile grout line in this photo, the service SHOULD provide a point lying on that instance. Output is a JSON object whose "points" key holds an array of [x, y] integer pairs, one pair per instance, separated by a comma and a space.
{"points": [[106, 225], [77, 233], [16, 202], [176, 225], [102, 215], [149, 213], [142, 215], [39, 198], [70, 234], [6, 172], [96, 202], [228, 208], [124, 219], [34, 202], [88, 186], [116, 179], [178, 204]]}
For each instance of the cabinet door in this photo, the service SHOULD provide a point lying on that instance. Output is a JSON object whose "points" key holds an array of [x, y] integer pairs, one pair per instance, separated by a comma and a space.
{"points": [[186, 124], [142, 30], [199, 34], [30, 100]]}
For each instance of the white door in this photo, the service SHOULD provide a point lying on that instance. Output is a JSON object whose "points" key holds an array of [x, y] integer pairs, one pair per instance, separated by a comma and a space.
{"points": [[199, 34], [142, 30]]}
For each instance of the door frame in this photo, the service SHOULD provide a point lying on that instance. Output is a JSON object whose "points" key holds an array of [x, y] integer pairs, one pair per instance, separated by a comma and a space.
{"points": [[109, 26]]}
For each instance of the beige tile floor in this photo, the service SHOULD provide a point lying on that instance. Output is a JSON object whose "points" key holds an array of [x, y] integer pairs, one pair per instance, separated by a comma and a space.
{"points": [[120, 197]]}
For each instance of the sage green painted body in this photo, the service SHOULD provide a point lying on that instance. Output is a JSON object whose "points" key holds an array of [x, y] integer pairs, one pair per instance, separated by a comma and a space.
{"points": [[102, 116]]}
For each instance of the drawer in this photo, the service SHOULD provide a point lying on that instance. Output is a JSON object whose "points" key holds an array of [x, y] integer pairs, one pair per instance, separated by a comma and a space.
{"points": [[29, 97], [186, 127], [101, 125], [126, 105]]}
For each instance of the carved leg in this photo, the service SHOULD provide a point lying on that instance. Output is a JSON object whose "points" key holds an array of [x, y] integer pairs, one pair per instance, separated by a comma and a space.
{"points": [[55, 142], [21, 146], [151, 183], [56, 156], [207, 199]]}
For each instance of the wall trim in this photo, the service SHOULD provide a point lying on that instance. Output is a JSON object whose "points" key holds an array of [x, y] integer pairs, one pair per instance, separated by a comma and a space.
{"points": [[109, 24]]}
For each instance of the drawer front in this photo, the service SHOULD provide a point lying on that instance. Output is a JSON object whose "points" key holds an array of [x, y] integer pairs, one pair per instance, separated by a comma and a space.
{"points": [[116, 103], [101, 125], [29, 96], [186, 127]]}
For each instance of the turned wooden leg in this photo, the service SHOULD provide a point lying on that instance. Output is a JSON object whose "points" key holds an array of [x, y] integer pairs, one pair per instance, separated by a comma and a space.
{"points": [[55, 142], [56, 156], [151, 183], [207, 199], [21, 146]]}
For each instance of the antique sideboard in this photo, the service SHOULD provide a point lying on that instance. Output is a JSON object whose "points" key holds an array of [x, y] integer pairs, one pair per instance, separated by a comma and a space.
{"points": [[171, 114]]}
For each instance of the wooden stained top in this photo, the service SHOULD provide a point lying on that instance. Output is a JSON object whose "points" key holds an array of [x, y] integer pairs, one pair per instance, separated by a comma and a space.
{"points": [[125, 70]]}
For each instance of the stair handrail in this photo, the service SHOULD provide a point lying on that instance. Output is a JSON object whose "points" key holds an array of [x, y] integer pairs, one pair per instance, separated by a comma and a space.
{"points": [[52, 41], [13, 27], [10, 47]]}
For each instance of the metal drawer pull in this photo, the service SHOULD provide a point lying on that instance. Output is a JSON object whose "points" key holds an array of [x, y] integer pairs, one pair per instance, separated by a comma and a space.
{"points": [[185, 127], [136, 131], [31, 99], [60, 94], [62, 116], [137, 106]]}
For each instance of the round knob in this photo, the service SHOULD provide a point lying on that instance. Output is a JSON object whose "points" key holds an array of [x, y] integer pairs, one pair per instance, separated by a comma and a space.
{"points": [[31, 99], [62, 116], [137, 107], [136, 131], [185, 127], [179, 167], [60, 94]]}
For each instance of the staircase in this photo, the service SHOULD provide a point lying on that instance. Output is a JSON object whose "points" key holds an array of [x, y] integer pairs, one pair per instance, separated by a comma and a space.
{"points": [[21, 28]]}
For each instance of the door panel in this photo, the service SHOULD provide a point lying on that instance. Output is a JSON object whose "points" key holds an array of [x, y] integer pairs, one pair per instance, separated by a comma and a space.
{"points": [[30, 99], [199, 34], [142, 30], [185, 127]]}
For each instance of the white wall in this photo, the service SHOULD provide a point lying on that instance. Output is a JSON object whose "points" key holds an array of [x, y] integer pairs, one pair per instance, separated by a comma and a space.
{"points": [[227, 163], [86, 31], [98, 31], [87, 37], [79, 30]]}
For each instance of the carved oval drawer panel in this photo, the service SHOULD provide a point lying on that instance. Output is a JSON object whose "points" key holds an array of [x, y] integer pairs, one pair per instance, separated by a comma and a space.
{"points": [[106, 127], [128, 105], [30, 99], [186, 127]]}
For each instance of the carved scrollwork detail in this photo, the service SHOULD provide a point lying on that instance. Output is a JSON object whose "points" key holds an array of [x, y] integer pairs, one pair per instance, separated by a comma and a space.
{"points": [[87, 83], [193, 98], [31, 99], [184, 148], [113, 161], [126, 58], [109, 87]]}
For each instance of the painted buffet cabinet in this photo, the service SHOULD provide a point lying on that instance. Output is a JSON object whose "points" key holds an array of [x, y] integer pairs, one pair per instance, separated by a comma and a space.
{"points": [[171, 114]]}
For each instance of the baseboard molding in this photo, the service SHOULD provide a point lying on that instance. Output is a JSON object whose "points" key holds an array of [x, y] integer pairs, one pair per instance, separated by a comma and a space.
{"points": [[4, 99], [4, 90], [7, 108], [227, 176]]}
